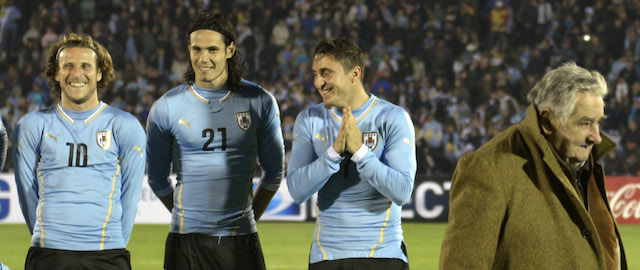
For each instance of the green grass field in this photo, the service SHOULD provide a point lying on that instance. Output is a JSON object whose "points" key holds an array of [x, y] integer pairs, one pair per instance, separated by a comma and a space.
{"points": [[285, 244]]}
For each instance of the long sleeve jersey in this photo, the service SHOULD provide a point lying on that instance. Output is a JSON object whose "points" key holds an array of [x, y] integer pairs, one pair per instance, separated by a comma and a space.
{"points": [[212, 138], [79, 176], [360, 197], [4, 141]]}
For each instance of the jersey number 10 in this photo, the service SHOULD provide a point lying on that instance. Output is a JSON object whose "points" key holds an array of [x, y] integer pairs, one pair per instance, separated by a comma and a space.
{"points": [[81, 154]]}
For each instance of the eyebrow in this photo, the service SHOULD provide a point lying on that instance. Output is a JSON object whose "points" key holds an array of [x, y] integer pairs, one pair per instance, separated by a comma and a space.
{"points": [[590, 119], [208, 48], [73, 63], [323, 70]]}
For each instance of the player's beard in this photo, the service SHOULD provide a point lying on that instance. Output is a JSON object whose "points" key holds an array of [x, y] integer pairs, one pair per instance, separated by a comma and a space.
{"points": [[79, 100]]}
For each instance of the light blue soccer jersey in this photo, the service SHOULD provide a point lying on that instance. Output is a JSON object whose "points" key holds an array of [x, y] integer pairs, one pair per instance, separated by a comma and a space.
{"points": [[4, 141], [212, 137], [79, 176], [359, 201]]}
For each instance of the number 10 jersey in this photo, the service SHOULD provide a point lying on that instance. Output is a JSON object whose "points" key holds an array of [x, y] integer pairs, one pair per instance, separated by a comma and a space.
{"points": [[79, 176]]}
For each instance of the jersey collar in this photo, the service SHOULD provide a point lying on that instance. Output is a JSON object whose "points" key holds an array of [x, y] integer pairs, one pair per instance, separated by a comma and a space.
{"points": [[87, 115], [360, 112]]}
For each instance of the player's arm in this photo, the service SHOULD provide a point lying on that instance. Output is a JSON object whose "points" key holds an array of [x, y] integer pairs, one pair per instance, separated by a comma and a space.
{"points": [[4, 141], [159, 145], [132, 143], [475, 217], [306, 172], [26, 153], [393, 174], [270, 155]]}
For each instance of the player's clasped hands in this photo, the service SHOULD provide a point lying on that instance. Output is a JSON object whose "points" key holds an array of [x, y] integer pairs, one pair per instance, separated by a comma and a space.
{"points": [[349, 136]]}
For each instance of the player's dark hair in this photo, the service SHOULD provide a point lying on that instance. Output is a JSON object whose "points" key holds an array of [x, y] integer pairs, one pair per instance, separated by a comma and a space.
{"points": [[217, 22], [73, 40], [343, 50]]}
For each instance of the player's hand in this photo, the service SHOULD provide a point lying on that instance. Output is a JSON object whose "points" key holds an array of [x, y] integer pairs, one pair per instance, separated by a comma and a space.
{"points": [[341, 140], [354, 136]]}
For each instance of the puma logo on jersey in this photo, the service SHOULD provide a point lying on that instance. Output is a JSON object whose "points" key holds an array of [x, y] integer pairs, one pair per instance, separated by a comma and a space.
{"points": [[182, 122], [137, 148], [407, 141], [55, 138], [19, 144], [321, 138]]}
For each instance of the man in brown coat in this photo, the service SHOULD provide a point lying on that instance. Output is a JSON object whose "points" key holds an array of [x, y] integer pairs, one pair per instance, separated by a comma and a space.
{"points": [[534, 197]]}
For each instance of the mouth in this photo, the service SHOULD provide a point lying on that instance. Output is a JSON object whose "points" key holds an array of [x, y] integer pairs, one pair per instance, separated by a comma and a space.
{"points": [[326, 91], [205, 69], [77, 84]]}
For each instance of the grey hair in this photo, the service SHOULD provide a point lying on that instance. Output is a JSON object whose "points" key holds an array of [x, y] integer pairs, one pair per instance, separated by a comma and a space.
{"points": [[557, 90]]}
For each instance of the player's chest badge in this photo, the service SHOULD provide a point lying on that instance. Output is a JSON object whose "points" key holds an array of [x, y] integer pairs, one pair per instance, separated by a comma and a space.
{"points": [[244, 120], [103, 138], [370, 139]]}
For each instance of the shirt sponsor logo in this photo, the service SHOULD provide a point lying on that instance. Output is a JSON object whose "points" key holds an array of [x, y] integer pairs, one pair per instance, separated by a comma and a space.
{"points": [[370, 139], [103, 138], [244, 120]]}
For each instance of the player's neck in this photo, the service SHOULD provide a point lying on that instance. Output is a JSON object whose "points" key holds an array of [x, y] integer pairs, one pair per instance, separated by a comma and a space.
{"points": [[85, 106], [359, 98], [217, 83]]}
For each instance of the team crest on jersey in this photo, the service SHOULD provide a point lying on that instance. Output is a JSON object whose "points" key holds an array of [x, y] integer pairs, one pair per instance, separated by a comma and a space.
{"points": [[244, 120], [104, 139], [370, 139]]}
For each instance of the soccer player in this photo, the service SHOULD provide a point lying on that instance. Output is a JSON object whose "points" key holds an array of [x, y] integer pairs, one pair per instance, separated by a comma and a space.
{"points": [[211, 128], [79, 165], [4, 141], [357, 151]]}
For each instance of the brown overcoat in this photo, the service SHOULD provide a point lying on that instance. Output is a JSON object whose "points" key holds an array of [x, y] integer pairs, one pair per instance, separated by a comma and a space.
{"points": [[513, 207]]}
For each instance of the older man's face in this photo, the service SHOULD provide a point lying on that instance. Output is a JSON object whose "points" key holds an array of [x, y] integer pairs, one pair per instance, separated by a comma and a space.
{"points": [[574, 140]]}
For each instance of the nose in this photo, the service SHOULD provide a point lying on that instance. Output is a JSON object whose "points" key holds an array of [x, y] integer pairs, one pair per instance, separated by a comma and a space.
{"points": [[76, 71], [318, 82], [204, 56], [594, 135]]}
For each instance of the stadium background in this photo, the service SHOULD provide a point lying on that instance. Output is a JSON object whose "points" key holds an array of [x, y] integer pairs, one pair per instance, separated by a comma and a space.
{"points": [[460, 68]]}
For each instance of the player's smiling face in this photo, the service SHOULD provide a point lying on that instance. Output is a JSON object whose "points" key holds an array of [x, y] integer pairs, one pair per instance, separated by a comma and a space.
{"points": [[332, 82], [209, 55], [78, 77]]}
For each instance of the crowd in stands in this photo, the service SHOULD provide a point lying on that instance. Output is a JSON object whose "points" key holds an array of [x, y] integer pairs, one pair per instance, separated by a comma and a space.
{"points": [[462, 69]]}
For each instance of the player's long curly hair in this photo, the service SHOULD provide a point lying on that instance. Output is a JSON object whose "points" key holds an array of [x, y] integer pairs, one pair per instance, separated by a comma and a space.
{"points": [[217, 22], [342, 49], [73, 40]]}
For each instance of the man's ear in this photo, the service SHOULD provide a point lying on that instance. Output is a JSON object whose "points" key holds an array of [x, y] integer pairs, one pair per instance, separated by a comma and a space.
{"points": [[356, 73], [231, 50], [545, 118]]}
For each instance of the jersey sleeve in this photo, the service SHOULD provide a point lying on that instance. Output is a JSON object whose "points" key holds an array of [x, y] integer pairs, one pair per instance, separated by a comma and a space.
{"points": [[26, 153], [132, 142], [4, 141], [270, 145], [307, 173], [393, 174], [159, 145]]}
